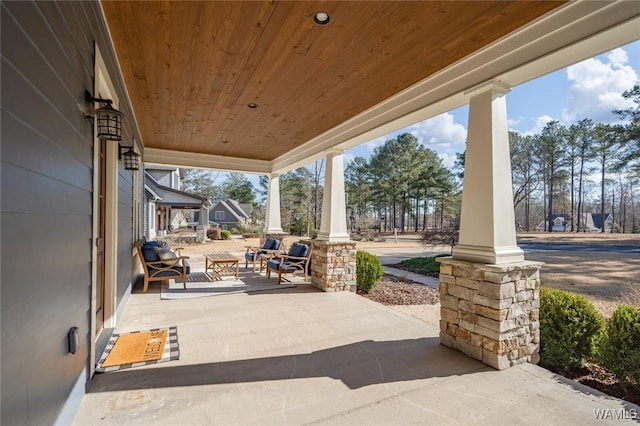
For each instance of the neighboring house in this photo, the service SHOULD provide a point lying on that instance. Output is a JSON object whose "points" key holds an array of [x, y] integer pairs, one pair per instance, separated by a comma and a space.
{"points": [[561, 223], [590, 222], [230, 213], [163, 205]]}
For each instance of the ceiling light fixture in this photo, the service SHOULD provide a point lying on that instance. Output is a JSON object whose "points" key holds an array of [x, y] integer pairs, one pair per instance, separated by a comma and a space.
{"points": [[252, 105], [321, 18]]}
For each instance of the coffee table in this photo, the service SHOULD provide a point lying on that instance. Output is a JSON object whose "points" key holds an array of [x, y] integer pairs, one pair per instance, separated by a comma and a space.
{"points": [[219, 264]]}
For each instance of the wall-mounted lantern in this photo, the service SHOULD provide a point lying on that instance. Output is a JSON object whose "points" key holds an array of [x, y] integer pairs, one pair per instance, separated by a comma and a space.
{"points": [[130, 158], [108, 119]]}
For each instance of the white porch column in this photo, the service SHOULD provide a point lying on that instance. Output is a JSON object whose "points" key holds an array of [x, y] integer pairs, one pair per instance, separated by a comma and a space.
{"points": [[333, 227], [487, 223], [203, 216], [273, 223]]}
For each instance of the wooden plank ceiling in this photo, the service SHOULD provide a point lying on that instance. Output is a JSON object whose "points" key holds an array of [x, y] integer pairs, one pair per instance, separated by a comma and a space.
{"points": [[192, 68]]}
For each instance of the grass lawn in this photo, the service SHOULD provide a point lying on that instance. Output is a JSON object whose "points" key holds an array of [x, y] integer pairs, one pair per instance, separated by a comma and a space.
{"points": [[423, 265]]}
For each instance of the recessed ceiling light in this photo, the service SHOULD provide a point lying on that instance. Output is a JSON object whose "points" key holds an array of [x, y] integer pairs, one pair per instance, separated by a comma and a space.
{"points": [[321, 18], [252, 105], [224, 141]]}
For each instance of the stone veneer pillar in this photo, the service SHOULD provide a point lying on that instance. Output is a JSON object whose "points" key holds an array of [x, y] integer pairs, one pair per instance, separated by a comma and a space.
{"points": [[491, 312], [333, 265]]}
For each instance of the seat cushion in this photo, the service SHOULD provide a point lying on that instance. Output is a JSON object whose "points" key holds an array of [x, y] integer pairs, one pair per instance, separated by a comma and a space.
{"points": [[271, 244], [299, 250], [273, 264], [250, 254], [289, 267]]}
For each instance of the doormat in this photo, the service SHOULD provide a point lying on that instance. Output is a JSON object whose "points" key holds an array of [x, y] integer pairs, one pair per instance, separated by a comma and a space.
{"points": [[138, 348]]}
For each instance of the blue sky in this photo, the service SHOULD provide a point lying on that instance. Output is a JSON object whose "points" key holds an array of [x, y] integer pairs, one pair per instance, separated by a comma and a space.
{"points": [[589, 89]]}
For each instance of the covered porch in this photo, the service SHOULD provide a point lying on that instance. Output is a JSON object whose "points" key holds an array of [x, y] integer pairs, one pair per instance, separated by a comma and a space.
{"points": [[300, 356], [489, 292], [264, 87]]}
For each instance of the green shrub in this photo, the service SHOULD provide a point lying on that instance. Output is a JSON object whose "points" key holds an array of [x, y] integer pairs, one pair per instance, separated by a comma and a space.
{"points": [[225, 234], [570, 327], [368, 271], [620, 347]]}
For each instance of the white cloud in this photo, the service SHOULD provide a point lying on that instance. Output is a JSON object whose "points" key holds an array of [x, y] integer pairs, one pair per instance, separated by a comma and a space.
{"points": [[346, 158], [597, 86], [539, 124], [448, 159], [441, 134], [513, 122], [441, 130], [371, 145]]}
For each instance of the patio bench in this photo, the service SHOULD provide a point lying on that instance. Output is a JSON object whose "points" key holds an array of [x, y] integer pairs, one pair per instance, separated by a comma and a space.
{"points": [[160, 263]]}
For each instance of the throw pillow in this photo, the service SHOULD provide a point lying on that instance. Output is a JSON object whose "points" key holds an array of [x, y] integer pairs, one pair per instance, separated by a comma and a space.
{"points": [[167, 256]]}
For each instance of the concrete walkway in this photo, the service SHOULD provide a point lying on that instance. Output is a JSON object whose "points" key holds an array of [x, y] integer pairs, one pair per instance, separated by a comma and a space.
{"points": [[298, 356]]}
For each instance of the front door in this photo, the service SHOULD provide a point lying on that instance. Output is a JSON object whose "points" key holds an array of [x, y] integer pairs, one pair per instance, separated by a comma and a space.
{"points": [[100, 260]]}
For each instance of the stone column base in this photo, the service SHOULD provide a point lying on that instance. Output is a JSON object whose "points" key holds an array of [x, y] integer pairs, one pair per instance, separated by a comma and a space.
{"points": [[491, 312], [333, 265]]}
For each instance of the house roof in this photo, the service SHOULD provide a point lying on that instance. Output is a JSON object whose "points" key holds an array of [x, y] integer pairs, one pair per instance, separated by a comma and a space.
{"points": [[233, 207], [166, 196], [240, 209], [597, 219], [259, 87]]}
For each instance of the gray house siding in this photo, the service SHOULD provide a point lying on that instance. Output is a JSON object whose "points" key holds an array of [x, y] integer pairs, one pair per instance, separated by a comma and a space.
{"points": [[165, 177], [47, 201]]}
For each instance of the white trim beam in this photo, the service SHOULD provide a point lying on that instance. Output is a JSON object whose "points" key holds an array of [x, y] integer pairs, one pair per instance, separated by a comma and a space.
{"points": [[205, 161]]}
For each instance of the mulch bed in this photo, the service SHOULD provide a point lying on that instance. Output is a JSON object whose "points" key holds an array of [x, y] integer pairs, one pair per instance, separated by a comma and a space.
{"points": [[393, 290], [596, 377], [399, 291]]}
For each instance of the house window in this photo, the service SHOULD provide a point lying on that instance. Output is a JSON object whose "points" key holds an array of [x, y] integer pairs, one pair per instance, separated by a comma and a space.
{"points": [[219, 215], [224, 227]]}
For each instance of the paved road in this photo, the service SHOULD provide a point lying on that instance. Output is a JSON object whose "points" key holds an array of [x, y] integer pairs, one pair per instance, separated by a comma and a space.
{"points": [[606, 248]]}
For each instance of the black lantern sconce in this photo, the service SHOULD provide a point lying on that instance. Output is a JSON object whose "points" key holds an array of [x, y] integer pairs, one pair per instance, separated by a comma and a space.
{"points": [[130, 158], [108, 119]]}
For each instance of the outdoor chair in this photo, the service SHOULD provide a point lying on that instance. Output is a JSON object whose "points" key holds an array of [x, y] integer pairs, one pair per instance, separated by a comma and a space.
{"points": [[296, 260], [160, 263], [254, 254]]}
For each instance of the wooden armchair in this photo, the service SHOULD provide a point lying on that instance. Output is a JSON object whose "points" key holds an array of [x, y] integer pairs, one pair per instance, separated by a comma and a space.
{"points": [[295, 261], [254, 254], [161, 263]]}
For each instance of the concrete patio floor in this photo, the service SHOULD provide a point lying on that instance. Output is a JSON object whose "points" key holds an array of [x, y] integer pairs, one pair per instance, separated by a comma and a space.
{"points": [[298, 356]]}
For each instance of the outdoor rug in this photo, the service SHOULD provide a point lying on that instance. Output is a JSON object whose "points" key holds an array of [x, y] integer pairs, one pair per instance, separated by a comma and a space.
{"points": [[138, 348], [248, 283]]}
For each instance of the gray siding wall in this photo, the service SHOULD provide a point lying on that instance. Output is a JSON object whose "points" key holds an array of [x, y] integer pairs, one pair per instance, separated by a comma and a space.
{"points": [[163, 177], [47, 192]]}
